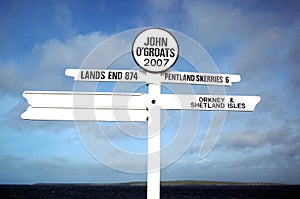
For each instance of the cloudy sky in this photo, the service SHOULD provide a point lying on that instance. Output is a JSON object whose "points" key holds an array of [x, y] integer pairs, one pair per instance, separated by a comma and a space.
{"points": [[259, 41]]}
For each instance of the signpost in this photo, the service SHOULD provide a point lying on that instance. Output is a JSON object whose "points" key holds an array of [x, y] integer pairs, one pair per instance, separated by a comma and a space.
{"points": [[155, 51]]}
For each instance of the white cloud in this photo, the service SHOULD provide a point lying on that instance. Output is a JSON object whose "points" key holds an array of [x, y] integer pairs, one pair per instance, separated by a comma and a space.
{"points": [[253, 138], [45, 65], [214, 23], [53, 56]]}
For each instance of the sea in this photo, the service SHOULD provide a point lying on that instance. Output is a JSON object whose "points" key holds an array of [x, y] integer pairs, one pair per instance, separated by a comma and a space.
{"points": [[136, 192]]}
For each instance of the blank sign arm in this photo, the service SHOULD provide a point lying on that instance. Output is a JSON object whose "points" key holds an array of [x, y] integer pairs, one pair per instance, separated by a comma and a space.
{"points": [[55, 99], [85, 106], [66, 114]]}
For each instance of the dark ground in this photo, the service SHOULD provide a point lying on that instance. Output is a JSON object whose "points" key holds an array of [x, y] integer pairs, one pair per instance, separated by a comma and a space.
{"points": [[131, 192]]}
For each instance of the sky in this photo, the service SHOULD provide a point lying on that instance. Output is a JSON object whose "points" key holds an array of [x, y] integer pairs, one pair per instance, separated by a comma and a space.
{"points": [[259, 40]]}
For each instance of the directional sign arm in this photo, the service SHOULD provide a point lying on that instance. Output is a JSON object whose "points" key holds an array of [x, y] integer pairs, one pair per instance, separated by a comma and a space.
{"points": [[55, 99], [87, 106], [68, 114], [106, 75], [209, 102], [199, 78]]}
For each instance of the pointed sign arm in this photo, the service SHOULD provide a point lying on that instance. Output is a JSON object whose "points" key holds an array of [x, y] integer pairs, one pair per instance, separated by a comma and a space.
{"points": [[97, 75], [84, 114], [212, 79], [85, 106], [208, 102], [56, 99]]}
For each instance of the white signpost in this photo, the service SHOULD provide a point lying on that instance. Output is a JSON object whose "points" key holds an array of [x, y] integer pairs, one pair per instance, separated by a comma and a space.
{"points": [[152, 44]]}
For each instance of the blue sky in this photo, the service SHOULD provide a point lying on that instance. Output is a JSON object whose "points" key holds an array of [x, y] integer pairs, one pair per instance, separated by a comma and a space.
{"points": [[258, 40]]}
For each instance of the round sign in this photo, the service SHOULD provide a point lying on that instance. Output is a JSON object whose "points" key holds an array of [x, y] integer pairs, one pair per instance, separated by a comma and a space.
{"points": [[155, 50]]}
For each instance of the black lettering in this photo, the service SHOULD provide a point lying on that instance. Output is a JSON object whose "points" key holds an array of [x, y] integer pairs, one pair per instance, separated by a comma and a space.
{"points": [[147, 43], [114, 75], [90, 74], [138, 51], [172, 53]]}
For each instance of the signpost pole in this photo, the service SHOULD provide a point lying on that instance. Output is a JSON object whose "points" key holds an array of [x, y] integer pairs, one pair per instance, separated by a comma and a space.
{"points": [[153, 162]]}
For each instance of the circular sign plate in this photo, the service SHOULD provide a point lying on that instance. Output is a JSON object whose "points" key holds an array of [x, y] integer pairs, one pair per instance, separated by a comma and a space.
{"points": [[155, 50]]}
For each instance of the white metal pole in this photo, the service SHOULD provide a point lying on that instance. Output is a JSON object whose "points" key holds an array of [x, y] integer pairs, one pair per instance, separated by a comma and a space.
{"points": [[153, 164]]}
